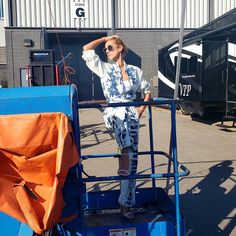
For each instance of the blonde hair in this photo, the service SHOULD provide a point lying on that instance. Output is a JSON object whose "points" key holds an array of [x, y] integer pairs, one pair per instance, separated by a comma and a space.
{"points": [[119, 41]]}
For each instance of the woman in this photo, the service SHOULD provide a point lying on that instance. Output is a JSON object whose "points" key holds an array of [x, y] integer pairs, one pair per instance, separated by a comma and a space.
{"points": [[120, 83]]}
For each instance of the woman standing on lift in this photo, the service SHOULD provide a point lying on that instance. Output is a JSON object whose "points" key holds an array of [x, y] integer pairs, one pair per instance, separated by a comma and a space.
{"points": [[120, 83]]}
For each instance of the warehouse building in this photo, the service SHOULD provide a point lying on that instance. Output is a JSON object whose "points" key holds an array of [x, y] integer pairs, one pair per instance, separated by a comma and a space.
{"points": [[58, 29]]}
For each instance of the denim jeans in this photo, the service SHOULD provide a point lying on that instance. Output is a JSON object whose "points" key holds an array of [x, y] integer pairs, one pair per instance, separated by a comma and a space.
{"points": [[127, 187]]}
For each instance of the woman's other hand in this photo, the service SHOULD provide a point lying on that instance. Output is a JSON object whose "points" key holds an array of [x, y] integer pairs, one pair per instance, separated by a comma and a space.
{"points": [[140, 111]]}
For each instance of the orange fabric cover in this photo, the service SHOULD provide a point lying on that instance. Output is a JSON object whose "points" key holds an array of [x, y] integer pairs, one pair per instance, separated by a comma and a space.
{"points": [[36, 152]]}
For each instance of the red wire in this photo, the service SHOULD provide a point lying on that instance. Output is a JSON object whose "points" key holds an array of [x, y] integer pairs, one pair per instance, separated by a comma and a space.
{"points": [[67, 69]]}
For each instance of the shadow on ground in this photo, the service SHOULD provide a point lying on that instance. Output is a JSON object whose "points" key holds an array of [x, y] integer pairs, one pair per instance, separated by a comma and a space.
{"points": [[208, 204]]}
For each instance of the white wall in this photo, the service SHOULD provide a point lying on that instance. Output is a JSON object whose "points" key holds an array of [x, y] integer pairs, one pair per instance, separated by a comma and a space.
{"points": [[4, 22], [222, 6], [2, 34], [130, 13]]}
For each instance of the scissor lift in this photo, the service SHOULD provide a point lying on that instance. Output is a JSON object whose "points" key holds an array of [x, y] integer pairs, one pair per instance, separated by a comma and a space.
{"points": [[98, 212]]}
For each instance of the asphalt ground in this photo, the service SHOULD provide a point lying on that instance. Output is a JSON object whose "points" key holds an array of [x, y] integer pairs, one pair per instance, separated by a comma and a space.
{"points": [[205, 147]]}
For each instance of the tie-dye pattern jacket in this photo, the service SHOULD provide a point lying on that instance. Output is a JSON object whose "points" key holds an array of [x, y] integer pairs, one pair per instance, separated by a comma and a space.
{"points": [[112, 83]]}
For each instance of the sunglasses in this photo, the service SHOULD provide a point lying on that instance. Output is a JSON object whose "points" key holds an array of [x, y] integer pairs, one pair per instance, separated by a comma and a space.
{"points": [[109, 48]]}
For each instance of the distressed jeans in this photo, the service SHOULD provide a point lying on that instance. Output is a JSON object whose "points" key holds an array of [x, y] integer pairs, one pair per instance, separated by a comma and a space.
{"points": [[125, 123], [126, 128], [127, 187]]}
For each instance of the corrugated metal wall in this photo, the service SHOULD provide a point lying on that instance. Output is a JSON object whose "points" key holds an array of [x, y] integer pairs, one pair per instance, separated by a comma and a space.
{"points": [[161, 13], [1, 9], [57, 13], [129, 13], [222, 6]]}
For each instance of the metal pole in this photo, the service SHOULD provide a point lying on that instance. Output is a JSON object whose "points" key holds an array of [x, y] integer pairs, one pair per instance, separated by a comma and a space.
{"points": [[177, 80], [180, 49], [151, 144], [175, 164], [113, 12], [173, 142]]}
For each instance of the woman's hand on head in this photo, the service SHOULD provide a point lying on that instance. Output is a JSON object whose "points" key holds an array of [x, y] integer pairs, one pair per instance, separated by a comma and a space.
{"points": [[111, 37]]}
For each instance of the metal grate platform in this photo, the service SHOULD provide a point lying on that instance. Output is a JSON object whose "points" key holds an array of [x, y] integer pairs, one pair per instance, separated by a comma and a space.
{"points": [[149, 213]]}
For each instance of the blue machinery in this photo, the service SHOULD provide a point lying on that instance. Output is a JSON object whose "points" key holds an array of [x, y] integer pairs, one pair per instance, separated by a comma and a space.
{"points": [[98, 212]]}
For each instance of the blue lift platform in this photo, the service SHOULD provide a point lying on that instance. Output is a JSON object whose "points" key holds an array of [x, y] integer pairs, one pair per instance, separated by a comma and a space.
{"points": [[98, 212]]}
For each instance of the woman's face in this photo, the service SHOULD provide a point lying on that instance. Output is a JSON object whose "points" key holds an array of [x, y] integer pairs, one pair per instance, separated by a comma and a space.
{"points": [[112, 50]]}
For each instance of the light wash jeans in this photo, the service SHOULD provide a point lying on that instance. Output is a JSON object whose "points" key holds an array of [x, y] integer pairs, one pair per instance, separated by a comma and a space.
{"points": [[126, 128], [127, 187]]}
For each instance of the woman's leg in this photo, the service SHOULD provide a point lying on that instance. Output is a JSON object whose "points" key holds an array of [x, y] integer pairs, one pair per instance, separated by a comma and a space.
{"points": [[127, 191], [126, 127], [123, 138], [124, 162], [127, 187]]}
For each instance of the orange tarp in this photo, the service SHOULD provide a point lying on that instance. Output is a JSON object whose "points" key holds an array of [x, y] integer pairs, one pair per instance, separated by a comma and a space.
{"points": [[36, 152]]}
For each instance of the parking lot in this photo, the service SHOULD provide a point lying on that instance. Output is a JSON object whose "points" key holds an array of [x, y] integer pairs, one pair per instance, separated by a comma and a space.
{"points": [[206, 148]]}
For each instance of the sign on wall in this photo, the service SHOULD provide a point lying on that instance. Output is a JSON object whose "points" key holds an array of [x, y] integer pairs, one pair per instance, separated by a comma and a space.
{"points": [[79, 9]]}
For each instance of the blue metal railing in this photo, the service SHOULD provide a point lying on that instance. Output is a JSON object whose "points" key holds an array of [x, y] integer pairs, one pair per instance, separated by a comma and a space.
{"points": [[172, 156]]}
